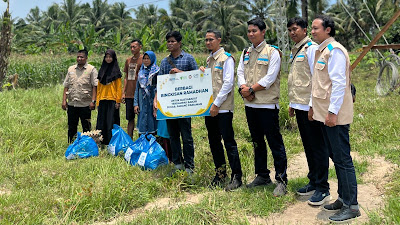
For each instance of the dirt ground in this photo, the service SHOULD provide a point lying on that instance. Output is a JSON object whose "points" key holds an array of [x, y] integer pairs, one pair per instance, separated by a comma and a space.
{"points": [[370, 193], [370, 196], [4, 191]]}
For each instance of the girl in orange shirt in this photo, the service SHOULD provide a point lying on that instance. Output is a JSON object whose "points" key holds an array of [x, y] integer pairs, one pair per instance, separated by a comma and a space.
{"points": [[109, 94]]}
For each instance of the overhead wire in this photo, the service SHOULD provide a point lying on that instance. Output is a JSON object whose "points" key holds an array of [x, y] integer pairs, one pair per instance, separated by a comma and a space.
{"points": [[376, 24], [358, 25]]}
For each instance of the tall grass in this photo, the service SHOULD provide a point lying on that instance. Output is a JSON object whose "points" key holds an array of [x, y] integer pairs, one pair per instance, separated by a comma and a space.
{"points": [[48, 70], [43, 188]]}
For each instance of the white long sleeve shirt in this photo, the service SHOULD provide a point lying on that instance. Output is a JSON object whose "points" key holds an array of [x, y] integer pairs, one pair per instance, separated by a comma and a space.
{"points": [[266, 81], [337, 74]]}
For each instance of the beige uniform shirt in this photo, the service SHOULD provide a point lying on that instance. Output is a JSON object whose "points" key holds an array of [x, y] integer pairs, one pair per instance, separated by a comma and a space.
{"points": [[80, 83]]}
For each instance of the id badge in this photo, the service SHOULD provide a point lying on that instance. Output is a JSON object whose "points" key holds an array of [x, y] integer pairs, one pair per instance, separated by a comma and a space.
{"points": [[132, 71]]}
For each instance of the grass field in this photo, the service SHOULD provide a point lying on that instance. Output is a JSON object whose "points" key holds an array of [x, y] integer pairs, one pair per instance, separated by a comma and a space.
{"points": [[38, 186]]}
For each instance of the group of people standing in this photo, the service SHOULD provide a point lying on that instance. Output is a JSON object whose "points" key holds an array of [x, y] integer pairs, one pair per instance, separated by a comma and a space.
{"points": [[321, 99], [319, 95], [85, 88]]}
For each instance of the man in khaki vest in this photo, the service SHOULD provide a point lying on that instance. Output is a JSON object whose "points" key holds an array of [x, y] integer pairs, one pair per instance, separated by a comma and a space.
{"points": [[332, 108], [219, 123], [299, 89], [259, 85], [80, 87]]}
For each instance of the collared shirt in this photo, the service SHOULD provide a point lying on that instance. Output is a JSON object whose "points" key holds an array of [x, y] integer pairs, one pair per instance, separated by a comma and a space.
{"points": [[79, 71], [81, 96], [311, 56], [337, 74], [273, 70], [184, 62], [228, 77]]}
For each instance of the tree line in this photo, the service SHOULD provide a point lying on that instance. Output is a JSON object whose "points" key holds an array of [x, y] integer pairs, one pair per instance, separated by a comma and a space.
{"points": [[98, 25]]}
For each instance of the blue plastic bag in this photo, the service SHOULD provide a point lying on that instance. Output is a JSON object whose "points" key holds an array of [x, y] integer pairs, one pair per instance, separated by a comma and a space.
{"points": [[146, 152], [120, 141], [136, 148], [83, 147], [156, 155]]}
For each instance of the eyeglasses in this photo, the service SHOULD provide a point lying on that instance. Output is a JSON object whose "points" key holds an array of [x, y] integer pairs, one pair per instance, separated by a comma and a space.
{"points": [[209, 40]]}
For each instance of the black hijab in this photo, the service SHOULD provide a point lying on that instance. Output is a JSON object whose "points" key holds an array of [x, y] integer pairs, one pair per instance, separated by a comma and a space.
{"points": [[109, 71]]}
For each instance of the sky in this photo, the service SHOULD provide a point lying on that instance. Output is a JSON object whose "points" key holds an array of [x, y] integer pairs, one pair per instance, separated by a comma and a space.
{"points": [[20, 8]]}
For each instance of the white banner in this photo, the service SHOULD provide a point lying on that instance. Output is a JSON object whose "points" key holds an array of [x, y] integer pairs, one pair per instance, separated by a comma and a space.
{"points": [[185, 94]]}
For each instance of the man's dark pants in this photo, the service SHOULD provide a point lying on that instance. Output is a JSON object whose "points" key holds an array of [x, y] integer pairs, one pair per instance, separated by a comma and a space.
{"points": [[320, 156], [265, 122], [220, 127], [336, 141], [176, 128], [74, 114], [317, 158], [130, 114]]}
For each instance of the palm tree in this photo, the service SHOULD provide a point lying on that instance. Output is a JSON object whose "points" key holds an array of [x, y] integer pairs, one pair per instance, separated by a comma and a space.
{"points": [[265, 9], [188, 13], [316, 7], [229, 17], [147, 15], [378, 8], [72, 12], [120, 15], [350, 34], [387, 11], [35, 17], [292, 9], [98, 14], [36, 28], [52, 16], [261, 8], [304, 9], [348, 23], [167, 20]]}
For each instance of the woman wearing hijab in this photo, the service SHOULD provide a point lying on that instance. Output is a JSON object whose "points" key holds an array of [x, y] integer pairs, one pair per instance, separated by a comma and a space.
{"points": [[109, 94], [144, 94]]}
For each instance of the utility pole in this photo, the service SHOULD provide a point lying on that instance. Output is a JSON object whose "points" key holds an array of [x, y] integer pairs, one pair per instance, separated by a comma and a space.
{"points": [[282, 33]]}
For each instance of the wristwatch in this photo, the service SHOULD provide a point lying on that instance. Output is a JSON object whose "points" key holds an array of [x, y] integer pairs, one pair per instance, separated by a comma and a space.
{"points": [[251, 91], [93, 101]]}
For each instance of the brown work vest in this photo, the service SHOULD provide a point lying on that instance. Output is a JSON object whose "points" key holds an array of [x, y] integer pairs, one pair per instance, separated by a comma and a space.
{"points": [[299, 79], [322, 85], [216, 63], [256, 61]]}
